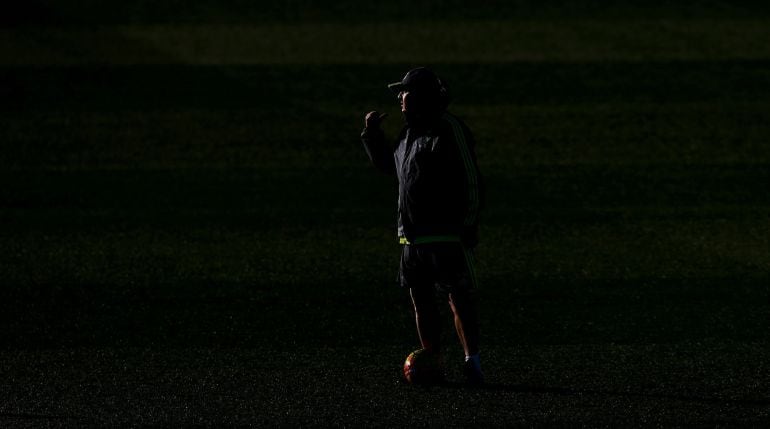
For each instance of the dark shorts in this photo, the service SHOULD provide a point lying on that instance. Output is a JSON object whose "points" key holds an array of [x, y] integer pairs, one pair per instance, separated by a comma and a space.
{"points": [[445, 266]]}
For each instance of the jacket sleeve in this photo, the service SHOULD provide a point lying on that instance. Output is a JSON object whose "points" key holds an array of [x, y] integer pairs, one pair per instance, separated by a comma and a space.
{"points": [[466, 168], [476, 192], [378, 150]]}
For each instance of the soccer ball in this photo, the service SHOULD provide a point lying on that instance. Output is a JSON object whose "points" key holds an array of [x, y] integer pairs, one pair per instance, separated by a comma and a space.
{"points": [[423, 367]]}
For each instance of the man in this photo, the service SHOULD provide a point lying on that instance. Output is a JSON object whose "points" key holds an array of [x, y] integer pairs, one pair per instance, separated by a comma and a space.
{"points": [[439, 197]]}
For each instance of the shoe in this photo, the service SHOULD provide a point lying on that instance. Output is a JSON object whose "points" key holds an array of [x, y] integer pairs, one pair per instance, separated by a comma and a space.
{"points": [[472, 373]]}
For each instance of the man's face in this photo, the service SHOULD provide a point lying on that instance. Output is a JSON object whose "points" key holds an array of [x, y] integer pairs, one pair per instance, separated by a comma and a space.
{"points": [[406, 100]]}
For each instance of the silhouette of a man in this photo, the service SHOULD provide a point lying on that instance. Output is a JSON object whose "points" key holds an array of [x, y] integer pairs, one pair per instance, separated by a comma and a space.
{"points": [[439, 198]]}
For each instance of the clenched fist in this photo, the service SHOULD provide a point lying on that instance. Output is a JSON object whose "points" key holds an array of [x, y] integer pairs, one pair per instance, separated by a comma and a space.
{"points": [[374, 119]]}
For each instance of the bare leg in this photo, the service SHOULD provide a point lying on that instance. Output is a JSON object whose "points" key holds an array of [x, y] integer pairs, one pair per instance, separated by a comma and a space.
{"points": [[463, 306], [427, 317]]}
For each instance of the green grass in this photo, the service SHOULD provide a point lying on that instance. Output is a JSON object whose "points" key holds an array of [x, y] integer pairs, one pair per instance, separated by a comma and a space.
{"points": [[190, 231], [483, 41]]}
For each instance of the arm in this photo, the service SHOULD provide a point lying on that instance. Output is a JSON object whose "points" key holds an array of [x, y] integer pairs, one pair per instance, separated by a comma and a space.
{"points": [[467, 169], [375, 145]]}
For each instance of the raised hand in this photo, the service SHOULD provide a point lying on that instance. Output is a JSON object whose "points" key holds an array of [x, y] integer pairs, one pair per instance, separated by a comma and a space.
{"points": [[374, 119]]}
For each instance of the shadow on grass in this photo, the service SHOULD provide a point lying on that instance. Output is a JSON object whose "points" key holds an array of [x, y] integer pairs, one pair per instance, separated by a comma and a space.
{"points": [[566, 391], [38, 417]]}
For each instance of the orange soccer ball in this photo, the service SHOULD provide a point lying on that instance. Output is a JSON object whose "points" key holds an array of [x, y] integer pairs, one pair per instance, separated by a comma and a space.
{"points": [[423, 367]]}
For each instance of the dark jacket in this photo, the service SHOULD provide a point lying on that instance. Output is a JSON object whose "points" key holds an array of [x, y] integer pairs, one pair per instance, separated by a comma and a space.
{"points": [[439, 185]]}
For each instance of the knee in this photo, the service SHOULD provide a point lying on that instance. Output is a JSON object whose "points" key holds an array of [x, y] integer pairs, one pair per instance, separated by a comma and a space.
{"points": [[423, 299], [461, 301]]}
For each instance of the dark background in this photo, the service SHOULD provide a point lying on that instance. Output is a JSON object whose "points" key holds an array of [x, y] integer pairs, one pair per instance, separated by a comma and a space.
{"points": [[190, 231]]}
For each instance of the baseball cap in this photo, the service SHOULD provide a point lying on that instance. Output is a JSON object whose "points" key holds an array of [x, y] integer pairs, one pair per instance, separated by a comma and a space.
{"points": [[418, 79]]}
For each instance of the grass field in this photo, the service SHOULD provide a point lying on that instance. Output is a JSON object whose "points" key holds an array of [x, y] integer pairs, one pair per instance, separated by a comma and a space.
{"points": [[190, 231]]}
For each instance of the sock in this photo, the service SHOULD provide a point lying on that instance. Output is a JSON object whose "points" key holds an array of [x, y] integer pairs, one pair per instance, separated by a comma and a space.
{"points": [[476, 361]]}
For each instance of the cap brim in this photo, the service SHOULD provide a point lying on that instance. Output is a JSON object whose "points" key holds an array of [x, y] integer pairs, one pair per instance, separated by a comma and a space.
{"points": [[396, 87]]}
